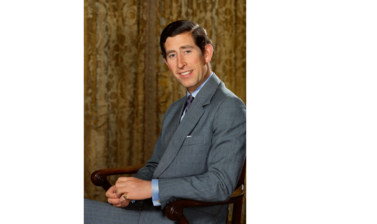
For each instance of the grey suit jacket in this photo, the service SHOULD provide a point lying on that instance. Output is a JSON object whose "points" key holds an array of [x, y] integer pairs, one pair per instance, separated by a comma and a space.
{"points": [[201, 157]]}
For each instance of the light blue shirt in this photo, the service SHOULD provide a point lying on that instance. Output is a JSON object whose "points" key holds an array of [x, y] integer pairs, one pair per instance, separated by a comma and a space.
{"points": [[155, 189], [196, 92]]}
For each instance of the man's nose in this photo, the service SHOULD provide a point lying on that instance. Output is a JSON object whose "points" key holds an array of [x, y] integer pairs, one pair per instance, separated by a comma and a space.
{"points": [[180, 61]]}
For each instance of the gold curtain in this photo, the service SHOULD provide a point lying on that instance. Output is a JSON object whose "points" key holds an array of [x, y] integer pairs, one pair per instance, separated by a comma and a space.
{"points": [[127, 86], [114, 87]]}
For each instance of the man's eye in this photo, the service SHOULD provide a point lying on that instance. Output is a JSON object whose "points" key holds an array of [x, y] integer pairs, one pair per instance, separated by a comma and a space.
{"points": [[171, 55], [187, 51]]}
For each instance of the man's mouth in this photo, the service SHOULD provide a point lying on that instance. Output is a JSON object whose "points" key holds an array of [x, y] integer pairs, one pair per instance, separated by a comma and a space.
{"points": [[186, 73]]}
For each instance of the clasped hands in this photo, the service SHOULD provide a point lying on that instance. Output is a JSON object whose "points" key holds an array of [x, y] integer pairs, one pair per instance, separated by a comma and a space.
{"points": [[133, 188]]}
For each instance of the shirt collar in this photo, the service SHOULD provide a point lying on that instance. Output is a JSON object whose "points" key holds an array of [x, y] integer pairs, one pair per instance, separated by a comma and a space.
{"points": [[199, 88]]}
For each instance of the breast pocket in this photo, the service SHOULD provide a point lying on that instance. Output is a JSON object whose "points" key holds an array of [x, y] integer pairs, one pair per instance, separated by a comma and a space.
{"points": [[197, 140]]}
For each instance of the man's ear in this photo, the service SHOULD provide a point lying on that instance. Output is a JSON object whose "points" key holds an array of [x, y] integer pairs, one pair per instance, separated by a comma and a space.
{"points": [[208, 51]]}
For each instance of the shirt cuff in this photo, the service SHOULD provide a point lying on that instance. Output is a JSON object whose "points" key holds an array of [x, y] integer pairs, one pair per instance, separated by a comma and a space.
{"points": [[155, 193]]}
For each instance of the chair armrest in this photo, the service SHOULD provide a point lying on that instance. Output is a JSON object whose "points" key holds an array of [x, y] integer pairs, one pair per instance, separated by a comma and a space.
{"points": [[174, 210], [99, 177]]}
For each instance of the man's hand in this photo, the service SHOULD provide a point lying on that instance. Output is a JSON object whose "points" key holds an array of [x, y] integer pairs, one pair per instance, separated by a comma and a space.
{"points": [[134, 188], [113, 199]]}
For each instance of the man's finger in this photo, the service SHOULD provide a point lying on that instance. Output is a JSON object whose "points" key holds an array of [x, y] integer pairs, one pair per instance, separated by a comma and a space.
{"points": [[111, 195], [111, 192], [113, 201], [117, 205], [123, 198], [121, 191], [125, 203]]}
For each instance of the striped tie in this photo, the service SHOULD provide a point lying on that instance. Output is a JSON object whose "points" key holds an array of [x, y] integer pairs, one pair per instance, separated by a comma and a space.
{"points": [[188, 103]]}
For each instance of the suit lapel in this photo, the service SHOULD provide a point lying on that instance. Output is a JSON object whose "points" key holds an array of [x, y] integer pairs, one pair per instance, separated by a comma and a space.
{"points": [[187, 124], [181, 111], [173, 123]]}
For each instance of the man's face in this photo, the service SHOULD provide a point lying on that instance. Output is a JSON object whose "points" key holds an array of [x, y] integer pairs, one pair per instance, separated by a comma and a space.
{"points": [[186, 61]]}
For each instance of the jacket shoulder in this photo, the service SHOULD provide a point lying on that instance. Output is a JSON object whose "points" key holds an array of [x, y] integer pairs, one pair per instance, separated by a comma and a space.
{"points": [[223, 94]]}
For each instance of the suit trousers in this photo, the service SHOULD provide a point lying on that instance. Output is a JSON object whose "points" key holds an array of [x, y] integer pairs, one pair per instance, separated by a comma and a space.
{"points": [[100, 212], [96, 212]]}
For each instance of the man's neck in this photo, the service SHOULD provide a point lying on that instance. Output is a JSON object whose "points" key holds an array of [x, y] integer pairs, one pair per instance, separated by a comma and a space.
{"points": [[196, 91]]}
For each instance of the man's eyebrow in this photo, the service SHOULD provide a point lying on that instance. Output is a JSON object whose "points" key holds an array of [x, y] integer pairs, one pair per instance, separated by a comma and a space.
{"points": [[182, 48], [171, 51], [186, 47]]}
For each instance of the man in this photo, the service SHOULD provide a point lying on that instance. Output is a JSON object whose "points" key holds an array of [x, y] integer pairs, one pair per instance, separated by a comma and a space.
{"points": [[201, 148]]}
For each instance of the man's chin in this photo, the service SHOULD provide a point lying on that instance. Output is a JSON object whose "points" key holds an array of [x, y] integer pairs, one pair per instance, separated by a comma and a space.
{"points": [[185, 84], [188, 86]]}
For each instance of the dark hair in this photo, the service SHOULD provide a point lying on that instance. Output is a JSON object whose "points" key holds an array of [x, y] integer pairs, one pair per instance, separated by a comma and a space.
{"points": [[198, 33]]}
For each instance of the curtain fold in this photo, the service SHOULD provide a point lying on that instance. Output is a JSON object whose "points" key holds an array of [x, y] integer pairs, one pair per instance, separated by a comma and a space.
{"points": [[128, 87], [114, 87]]}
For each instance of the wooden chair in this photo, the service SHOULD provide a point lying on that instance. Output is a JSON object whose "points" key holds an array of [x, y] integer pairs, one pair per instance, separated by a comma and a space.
{"points": [[174, 210]]}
